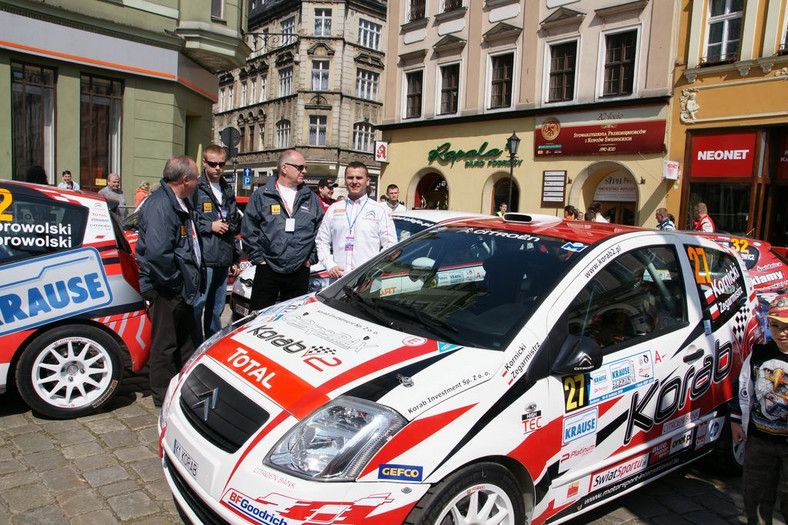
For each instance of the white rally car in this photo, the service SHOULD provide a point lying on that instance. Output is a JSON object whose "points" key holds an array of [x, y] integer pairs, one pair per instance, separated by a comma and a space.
{"points": [[508, 371]]}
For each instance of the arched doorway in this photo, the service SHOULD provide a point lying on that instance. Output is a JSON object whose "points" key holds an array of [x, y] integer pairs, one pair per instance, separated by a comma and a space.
{"points": [[432, 192], [618, 195], [501, 195]]}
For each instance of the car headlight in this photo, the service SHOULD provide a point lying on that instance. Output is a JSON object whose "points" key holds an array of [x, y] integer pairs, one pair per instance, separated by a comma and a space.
{"points": [[337, 440]]}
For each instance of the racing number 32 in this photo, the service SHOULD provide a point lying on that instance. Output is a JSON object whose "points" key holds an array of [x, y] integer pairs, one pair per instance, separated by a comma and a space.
{"points": [[575, 392], [5, 201], [698, 259]]}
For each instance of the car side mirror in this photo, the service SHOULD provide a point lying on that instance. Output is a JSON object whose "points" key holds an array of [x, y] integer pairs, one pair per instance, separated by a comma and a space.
{"points": [[578, 354]]}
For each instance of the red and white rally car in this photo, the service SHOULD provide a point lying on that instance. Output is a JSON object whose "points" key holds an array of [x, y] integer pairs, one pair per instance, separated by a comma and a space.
{"points": [[508, 371], [71, 316]]}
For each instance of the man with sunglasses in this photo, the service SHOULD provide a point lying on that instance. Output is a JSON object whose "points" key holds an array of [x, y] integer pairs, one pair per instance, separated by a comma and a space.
{"points": [[278, 232], [218, 224]]}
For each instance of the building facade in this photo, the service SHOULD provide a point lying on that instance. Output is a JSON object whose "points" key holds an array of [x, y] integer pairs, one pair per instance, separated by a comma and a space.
{"points": [[111, 87], [313, 82], [584, 84], [730, 115]]}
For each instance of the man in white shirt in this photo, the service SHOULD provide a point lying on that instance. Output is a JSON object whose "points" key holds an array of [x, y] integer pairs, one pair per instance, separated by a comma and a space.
{"points": [[357, 228], [392, 199]]}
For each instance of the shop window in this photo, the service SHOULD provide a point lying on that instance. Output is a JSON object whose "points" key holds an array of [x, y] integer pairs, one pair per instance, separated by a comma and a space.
{"points": [[100, 129], [563, 59], [723, 31], [318, 125], [363, 137], [620, 51], [32, 118], [322, 22], [501, 195], [367, 84], [414, 94], [416, 10], [369, 34], [320, 75], [728, 205], [432, 192], [450, 88], [283, 134], [502, 80]]}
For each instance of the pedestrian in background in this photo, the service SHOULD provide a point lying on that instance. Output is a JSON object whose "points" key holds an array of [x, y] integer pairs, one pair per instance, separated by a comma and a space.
{"points": [[143, 190], [392, 199], [703, 222], [113, 192], [503, 209], [759, 416], [569, 213], [355, 229], [596, 209], [325, 190], [37, 175], [170, 260], [278, 232], [664, 220], [218, 224], [68, 182]]}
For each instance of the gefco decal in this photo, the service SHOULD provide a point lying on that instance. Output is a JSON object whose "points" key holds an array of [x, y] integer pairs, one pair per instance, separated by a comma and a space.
{"points": [[622, 470], [580, 425], [277, 506], [671, 394], [610, 380], [519, 361], [317, 357], [340, 339], [49, 288], [400, 472]]}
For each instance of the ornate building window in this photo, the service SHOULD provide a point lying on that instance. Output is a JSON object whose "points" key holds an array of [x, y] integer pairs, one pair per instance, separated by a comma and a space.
{"points": [[414, 82], [620, 51], [563, 63], [318, 125], [363, 137], [285, 81], [283, 134], [416, 10], [450, 88], [101, 107], [32, 118], [502, 80], [369, 34], [320, 75], [322, 22], [367, 84], [724, 30]]}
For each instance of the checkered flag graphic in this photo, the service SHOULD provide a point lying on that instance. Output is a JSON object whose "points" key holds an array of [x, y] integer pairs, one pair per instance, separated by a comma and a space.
{"points": [[320, 350], [739, 326]]}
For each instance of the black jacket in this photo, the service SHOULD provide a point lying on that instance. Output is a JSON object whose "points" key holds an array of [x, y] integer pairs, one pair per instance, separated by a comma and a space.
{"points": [[218, 250], [263, 228], [165, 250]]}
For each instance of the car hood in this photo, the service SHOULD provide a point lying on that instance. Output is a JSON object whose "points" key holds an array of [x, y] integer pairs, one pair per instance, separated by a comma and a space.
{"points": [[302, 353]]}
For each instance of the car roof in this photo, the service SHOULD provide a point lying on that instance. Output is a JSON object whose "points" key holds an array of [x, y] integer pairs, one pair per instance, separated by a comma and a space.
{"points": [[53, 192], [436, 216]]}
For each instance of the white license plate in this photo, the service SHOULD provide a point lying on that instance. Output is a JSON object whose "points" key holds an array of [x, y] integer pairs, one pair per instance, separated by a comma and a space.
{"points": [[241, 309], [185, 459]]}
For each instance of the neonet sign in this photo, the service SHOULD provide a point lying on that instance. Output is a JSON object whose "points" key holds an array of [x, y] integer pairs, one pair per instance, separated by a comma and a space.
{"points": [[724, 155]]}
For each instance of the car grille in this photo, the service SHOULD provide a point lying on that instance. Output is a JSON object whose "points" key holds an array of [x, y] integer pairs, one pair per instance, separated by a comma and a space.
{"points": [[206, 514], [219, 412]]}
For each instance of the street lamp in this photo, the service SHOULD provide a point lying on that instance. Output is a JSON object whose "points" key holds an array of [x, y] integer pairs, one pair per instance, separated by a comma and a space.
{"points": [[512, 144]]}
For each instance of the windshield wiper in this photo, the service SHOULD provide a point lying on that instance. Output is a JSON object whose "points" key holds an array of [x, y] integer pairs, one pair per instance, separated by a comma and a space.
{"points": [[439, 326], [368, 308]]}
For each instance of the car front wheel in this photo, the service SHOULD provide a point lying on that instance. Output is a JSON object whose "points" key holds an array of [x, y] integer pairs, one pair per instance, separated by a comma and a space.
{"points": [[69, 371], [480, 494]]}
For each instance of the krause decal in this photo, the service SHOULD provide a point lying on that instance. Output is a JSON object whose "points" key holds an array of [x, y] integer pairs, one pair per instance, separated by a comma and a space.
{"points": [[672, 394], [580, 425], [400, 472], [46, 289], [610, 380]]}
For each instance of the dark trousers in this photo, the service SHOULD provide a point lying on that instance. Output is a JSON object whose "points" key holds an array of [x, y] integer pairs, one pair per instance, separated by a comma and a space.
{"points": [[765, 477], [172, 338], [270, 286]]}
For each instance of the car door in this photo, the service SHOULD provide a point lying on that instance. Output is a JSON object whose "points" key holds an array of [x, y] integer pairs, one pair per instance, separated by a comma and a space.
{"points": [[622, 333]]}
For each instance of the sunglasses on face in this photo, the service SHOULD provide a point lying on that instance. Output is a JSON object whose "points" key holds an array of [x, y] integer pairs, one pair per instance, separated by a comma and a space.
{"points": [[299, 167], [214, 164]]}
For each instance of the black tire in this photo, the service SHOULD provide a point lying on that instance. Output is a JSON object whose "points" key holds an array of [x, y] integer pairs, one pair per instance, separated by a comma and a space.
{"points": [[69, 371], [489, 480], [727, 457]]}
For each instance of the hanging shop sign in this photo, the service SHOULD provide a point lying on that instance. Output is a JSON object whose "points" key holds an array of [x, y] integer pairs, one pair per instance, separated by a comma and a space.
{"points": [[616, 189], [483, 156], [615, 132], [553, 188], [724, 155]]}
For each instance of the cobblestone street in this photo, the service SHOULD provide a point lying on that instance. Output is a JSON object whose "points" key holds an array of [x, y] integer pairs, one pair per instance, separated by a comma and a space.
{"points": [[104, 469]]}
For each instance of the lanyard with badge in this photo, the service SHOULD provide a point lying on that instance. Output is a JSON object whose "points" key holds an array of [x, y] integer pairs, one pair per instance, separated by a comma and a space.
{"points": [[349, 239], [290, 220]]}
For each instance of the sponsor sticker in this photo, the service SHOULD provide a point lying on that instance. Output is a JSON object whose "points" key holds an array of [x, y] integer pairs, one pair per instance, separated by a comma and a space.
{"points": [[580, 425], [625, 469], [621, 376], [400, 472]]}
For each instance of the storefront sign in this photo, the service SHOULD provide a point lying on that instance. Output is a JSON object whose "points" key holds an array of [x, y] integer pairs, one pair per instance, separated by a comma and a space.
{"points": [[381, 151], [727, 155], [480, 157], [614, 132], [553, 188], [616, 189]]}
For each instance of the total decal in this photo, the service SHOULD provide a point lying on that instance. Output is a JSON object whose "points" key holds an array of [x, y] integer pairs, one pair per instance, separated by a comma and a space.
{"points": [[672, 394], [50, 288], [278, 509]]}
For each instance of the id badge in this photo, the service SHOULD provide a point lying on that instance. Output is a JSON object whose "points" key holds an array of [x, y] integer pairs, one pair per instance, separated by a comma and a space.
{"points": [[348, 244], [290, 225]]}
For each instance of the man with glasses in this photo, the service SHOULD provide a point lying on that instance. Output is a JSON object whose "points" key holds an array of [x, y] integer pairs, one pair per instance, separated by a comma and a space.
{"points": [[218, 224], [278, 232]]}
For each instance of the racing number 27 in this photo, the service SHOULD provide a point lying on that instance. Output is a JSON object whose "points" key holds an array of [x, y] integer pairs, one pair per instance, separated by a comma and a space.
{"points": [[700, 263], [575, 392]]}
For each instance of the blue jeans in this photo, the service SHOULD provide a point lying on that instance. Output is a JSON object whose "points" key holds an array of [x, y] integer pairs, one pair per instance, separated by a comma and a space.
{"points": [[212, 301]]}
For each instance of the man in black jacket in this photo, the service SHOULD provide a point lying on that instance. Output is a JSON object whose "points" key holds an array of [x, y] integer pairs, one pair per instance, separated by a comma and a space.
{"points": [[278, 231], [169, 256], [218, 224]]}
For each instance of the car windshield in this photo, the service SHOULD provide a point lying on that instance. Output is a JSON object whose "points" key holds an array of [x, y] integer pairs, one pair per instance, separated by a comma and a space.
{"points": [[466, 286], [408, 226]]}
